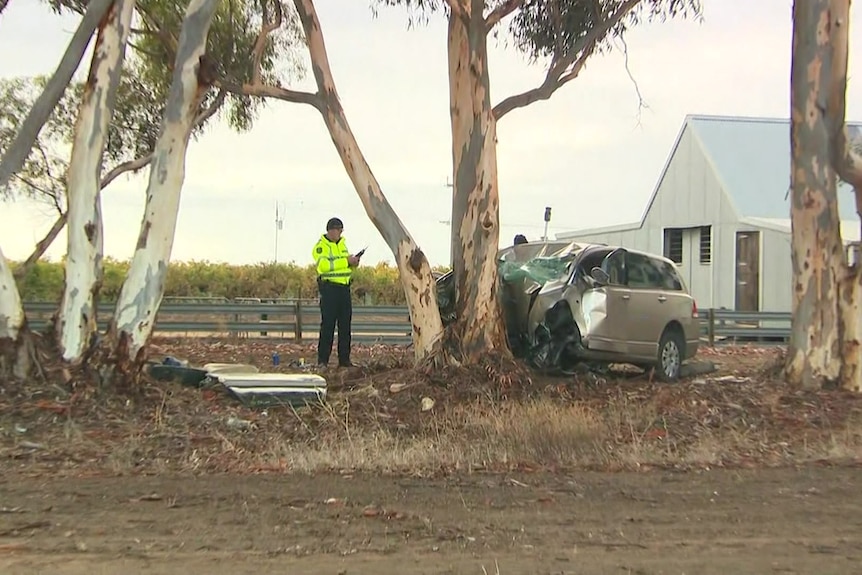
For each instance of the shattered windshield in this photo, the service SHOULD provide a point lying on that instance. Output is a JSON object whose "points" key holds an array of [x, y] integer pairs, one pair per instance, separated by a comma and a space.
{"points": [[522, 268], [539, 262]]}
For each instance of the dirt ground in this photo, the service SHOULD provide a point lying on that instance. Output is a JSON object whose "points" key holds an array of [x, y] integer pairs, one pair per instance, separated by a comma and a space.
{"points": [[805, 520], [600, 472]]}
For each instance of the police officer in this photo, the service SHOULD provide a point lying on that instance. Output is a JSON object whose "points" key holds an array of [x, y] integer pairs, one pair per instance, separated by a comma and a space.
{"points": [[335, 265]]}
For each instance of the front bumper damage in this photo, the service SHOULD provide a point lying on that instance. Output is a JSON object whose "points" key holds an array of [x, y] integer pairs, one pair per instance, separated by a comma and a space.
{"points": [[543, 327]]}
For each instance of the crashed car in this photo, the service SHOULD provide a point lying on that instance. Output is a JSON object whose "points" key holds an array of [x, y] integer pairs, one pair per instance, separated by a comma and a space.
{"points": [[569, 303]]}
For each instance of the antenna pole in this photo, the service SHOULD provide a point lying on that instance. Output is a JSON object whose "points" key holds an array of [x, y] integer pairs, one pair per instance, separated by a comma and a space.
{"points": [[277, 226]]}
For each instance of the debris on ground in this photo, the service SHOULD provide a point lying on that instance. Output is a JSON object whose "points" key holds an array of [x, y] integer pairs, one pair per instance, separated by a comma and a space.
{"points": [[738, 414]]}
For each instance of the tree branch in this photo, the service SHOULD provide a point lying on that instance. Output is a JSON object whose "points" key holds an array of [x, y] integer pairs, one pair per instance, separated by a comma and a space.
{"points": [[44, 191], [554, 79], [641, 102], [120, 169], [211, 110], [149, 53], [41, 247], [846, 161], [167, 38], [113, 174], [501, 12], [455, 7], [256, 87], [267, 91], [43, 244], [144, 32], [565, 68], [266, 29], [17, 152]]}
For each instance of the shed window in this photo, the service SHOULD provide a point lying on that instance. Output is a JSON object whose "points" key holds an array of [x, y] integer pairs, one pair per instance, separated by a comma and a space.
{"points": [[706, 244], [673, 244]]}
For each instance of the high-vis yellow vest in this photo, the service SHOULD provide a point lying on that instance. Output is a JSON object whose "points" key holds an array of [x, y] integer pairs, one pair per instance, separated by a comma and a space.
{"points": [[331, 259]]}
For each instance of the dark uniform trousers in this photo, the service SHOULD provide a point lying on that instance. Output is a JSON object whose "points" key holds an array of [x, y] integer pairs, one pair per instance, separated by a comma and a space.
{"points": [[335, 309]]}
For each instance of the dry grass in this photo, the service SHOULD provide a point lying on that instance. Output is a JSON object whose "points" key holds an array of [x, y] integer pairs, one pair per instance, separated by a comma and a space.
{"points": [[617, 424], [485, 435], [478, 436]]}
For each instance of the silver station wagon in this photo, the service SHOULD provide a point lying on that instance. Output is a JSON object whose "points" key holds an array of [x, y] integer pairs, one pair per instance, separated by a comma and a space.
{"points": [[568, 303]]}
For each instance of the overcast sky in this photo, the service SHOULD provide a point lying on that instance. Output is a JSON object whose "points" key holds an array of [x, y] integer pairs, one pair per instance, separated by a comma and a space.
{"points": [[584, 152]]}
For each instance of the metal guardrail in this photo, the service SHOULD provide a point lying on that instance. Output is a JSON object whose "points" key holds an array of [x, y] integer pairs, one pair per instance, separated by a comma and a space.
{"points": [[720, 325], [300, 319], [248, 317]]}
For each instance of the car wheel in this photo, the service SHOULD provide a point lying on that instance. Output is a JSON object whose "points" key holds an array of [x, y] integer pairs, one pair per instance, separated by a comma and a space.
{"points": [[670, 354]]}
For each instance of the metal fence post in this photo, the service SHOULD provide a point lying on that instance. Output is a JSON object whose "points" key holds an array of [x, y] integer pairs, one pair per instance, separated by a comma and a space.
{"points": [[297, 324], [710, 328]]}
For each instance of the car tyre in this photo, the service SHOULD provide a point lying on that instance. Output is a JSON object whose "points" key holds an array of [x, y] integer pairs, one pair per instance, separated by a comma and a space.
{"points": [[670, 354]]}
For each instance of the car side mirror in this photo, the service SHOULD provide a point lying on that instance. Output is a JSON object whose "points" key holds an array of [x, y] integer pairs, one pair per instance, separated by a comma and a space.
{"points": [[600, 276]]}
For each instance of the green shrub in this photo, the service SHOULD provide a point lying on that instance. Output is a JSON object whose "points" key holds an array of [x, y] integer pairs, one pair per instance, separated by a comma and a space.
{"points": [[374, 285]]}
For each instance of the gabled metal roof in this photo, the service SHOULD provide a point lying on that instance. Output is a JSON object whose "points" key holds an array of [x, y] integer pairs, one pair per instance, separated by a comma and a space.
{"points": [[751, 157]]}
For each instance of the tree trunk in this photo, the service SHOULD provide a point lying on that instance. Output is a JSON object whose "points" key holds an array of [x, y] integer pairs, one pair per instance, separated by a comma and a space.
{"points": [[475, 205], [116, 172], [824, 343], [76, 322], [143, 289], [850, 309], [415, 271], [20, 147], [13, 325], [848, 164]]}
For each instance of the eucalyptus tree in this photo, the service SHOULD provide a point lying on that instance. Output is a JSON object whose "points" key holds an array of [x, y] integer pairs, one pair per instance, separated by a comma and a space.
{"points": [[177, 54], [826, 335], [562, 33]]}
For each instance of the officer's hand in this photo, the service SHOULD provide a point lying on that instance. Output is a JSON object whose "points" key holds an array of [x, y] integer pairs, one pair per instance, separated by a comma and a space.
{"points": [[352, 261]]}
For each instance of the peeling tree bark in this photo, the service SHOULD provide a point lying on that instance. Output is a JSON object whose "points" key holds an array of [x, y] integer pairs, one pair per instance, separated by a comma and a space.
{"points": [[20, 147], [848, 164], [475, 206], [415, 271], [825, 337], [76, 321], [142, 292], [814, 355]]}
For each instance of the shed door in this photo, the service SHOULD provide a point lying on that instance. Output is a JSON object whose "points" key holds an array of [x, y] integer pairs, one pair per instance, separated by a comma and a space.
{"points": [[748, 271]]}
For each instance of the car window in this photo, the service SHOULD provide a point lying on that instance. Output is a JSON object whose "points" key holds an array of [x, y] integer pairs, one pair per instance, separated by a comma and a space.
{"points": [[615, 267], [591, 260], [649, 273], [672, 281]]}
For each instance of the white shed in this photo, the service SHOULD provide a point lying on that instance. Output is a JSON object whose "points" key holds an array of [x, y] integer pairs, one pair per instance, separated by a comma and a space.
{"points": [[721, 211]]}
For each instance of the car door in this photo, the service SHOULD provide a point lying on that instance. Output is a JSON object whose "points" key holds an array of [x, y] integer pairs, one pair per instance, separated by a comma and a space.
{"points": [[607, 327], [650, 307], [680, 302]]}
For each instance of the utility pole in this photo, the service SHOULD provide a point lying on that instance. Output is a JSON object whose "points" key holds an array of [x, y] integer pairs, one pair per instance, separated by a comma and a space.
{"points": [[279, 222]]}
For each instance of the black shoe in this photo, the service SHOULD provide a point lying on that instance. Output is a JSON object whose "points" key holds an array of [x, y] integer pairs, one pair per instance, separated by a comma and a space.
{"points": [[322, 365], [347, 363]]}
